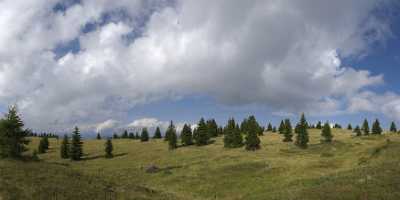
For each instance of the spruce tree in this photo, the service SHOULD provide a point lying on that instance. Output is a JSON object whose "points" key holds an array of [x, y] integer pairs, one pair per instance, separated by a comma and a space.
{"points": [[302, 133], [287, 133], [357, 130], [252, 125], [365, 127], [186, 135], [98, 136], [269, 127], [64, 149], [393, 127], [376, 128], [212, 128], [144, 137], [157, 133], [172, 137], [252, 140], [75, 151], [232, 136], [349, 127], [326, 133], [12, 135], [108, 148], [281, 128], [319, 125], [202, 137]]}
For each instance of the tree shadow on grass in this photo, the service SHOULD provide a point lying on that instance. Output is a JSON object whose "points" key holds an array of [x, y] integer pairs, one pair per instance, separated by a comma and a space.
{"points": [[102, 156]]}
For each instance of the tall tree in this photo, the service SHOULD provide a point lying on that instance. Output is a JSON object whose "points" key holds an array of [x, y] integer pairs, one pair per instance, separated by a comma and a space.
{"points": [[64, 149], [327, 133], [302, 133], [212, 128], [287, 133], [365, 127], [376, 128], [281, 128], [232, 135], [172, 137], [269, 127], [202, 137], [253, 125], [144, 137], [98, 136], [186, 135], [108, 148], [76, 151], [393, 127], [157, 133], [252, 140], [357, 130], [12, 135]]}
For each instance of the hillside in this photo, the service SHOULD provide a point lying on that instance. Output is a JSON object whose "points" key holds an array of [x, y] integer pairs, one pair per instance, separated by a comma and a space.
{"points": [[366, 167]]}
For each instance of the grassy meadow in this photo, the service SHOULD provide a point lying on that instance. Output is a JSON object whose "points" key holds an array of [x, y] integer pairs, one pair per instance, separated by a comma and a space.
{"points": [[366, 167]]}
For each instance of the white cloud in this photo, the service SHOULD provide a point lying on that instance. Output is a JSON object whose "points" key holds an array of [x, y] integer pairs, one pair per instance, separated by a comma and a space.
{"points": [[106, 125], [238, 52]]}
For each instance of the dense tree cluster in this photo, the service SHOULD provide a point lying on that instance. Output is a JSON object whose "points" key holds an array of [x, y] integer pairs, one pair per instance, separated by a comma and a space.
{"points": [[232, 135]]}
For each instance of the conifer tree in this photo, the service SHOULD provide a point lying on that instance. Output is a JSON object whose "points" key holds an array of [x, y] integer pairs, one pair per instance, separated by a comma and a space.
{"points": [[232, 136], [108, 148], [172, 138], [281, 128], [98, 136], [131, 135], [252, 125], [319, 125], [287, 133], [365, 127], [125, 134], [220, 131], [12, 135], [186, 135], [144, 137], [75, 151], [357, 130], [269, 127], [243, 126], [326, 133], [376, 128], [64, 149], [212, 128], [157, 133], [393, 127], [349, 127], [252, 140], [302, 133], [202, 137], [274, 129]]}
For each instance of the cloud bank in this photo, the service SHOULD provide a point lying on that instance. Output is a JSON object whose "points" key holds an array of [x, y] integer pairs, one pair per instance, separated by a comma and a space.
{"points": [[82, 63]]}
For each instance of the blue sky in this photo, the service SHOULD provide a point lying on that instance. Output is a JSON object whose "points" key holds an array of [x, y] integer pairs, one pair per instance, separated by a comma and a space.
{"points": [[107, 65]]}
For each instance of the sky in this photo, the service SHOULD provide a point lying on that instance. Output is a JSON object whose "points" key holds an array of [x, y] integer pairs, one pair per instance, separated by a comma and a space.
{"points": [[109, 65]]}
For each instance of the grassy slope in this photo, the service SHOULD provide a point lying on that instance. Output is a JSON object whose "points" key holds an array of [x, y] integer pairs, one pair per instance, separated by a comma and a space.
{"points": [[350, 168]]}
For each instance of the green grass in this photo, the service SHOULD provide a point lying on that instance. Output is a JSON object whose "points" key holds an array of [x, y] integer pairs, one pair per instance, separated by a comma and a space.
{"points": [[349, 168]]}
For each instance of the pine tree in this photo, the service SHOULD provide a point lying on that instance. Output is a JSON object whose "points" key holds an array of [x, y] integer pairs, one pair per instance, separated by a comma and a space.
{"points": [[212, 128], [269, 127], [252, 125], [326, 133], [252, 140], [393, 127], [302, 133], [376, 128], [202, 137], [64, 149], [287, 133], [357, 130], [186, 135], [75, 151], [281, 128], [365, 127], [109, 148], [98, 136], [172, 138], [232, 136], [144, 137], [157, 133], [319, 125], [12, 135], [349, 127]]}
